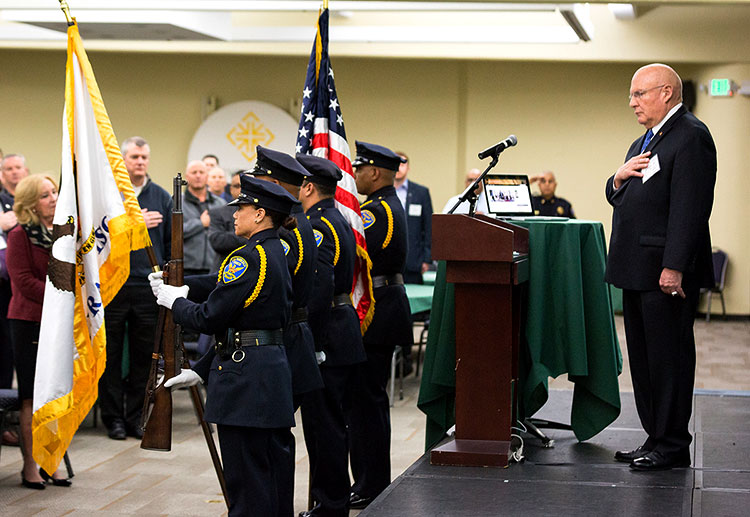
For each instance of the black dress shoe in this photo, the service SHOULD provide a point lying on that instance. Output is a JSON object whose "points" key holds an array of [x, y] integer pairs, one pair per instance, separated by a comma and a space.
{"points": [[357, 502], [655, 460], [628, 456], [134, 431], [57, 482], [116, 430], [34, 485]]}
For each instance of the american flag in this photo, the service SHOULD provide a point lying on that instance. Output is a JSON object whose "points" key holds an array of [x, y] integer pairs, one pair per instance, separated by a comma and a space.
{"points": [[322, 133]]}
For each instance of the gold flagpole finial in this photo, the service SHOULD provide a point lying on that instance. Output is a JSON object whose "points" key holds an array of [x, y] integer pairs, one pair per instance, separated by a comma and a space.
{"points": [[66, 11], [325, 4]]}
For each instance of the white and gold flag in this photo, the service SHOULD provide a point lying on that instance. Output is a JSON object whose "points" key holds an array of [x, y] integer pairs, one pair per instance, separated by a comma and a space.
{"points": [[97, 223]]}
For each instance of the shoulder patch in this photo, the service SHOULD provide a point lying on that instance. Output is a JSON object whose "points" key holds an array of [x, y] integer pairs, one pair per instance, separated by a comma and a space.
{"points": [[367, 218], [234, 269], [318, 237], [285, 245]]}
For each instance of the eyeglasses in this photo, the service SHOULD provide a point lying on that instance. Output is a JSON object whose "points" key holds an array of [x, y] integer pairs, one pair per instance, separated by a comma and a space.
{"points": [[640, 93]]}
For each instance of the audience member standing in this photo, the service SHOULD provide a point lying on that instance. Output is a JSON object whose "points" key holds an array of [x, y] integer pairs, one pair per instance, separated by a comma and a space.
{"points": [[199, 256], [133, 309], [29, 245], [217, 183], [12, 170], [660, 255], [418, 208], [221, 234]]}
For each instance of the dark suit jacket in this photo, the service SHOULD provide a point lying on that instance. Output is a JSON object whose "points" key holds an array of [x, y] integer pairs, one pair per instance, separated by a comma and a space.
{"points": [[664, 222], [221, 234], [419, 226]]}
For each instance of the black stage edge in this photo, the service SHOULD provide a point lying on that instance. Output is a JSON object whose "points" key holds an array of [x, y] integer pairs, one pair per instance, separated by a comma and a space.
{"points": [[583, 479]]}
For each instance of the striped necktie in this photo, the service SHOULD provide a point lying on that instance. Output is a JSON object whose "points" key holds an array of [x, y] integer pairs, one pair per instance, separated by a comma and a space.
{"points": [[649, 136]]}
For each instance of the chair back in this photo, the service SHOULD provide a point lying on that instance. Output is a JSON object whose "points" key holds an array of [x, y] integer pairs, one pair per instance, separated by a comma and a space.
{"points": [[720, 261]]}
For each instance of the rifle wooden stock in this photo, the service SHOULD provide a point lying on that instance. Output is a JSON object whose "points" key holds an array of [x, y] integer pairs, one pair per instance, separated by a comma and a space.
{"points": [[157, 418]]}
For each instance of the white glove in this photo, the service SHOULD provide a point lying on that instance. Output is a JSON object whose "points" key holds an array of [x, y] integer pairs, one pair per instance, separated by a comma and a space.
{"points": [[186, 379], [167, 294], [320, 356], [156, 281]]}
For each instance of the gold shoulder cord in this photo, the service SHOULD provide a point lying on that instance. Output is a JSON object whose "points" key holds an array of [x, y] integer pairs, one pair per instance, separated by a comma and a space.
{"points": [[389, 233], [335, 240], [261, 275], [301, 250]]}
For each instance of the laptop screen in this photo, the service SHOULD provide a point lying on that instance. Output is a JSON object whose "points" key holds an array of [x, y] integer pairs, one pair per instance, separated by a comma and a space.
{"points": [[508, 194]]}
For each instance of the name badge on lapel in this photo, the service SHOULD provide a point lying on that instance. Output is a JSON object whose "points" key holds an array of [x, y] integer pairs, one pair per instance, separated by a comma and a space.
{"points": [[653, 168], [415, 210]]}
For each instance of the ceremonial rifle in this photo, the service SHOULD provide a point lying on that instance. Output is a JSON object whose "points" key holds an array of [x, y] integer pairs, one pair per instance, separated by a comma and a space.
{"points": [[168, 346]]}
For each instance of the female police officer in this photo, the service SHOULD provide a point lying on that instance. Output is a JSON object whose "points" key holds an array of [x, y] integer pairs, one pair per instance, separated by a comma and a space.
{"points": [[249, 383]]}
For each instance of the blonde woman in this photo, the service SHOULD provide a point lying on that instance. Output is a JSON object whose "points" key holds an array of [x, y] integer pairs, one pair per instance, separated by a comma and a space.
{"points": [[27, 255]]}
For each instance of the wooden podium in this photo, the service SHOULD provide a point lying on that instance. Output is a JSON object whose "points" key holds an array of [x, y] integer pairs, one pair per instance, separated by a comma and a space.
{"points": [[487, 260]]}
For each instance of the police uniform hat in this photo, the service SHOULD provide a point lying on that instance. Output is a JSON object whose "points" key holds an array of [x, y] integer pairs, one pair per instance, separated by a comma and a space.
{"points": [[377, 156], [322, 171], [264, 194], [279, 166]]}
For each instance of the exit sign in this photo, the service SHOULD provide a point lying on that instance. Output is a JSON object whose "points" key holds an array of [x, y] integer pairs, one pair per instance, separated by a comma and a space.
{"points": [[722, 88]]}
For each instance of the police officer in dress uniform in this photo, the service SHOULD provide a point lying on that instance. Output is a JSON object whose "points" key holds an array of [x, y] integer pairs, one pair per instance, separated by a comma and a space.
{"points": [[338, 340], [547, 204], [301, 253], [385, 230], [249, 393]]}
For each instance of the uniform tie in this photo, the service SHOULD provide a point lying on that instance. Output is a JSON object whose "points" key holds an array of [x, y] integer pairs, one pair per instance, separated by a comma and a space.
{"points": [[649, 136]]}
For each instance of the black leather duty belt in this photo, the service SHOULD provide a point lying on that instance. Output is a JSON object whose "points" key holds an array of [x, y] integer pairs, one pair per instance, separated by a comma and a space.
{"points": [[299, 315], [258, 338], [341, 299], [384, 280]]}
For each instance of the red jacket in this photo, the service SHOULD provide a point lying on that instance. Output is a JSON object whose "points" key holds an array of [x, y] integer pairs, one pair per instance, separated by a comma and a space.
{"points": [[27, 268]]}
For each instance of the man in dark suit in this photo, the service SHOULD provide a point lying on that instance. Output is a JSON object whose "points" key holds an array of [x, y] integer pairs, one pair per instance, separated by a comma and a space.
{"points": [[660, 255], [418, 208]]}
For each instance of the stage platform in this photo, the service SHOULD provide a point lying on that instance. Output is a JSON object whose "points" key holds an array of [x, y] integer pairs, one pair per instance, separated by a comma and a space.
{"points": [[583, 479]]}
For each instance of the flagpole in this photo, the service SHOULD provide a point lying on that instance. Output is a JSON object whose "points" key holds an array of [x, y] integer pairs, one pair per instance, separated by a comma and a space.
{"points": [[325, 4], [66, 11]]}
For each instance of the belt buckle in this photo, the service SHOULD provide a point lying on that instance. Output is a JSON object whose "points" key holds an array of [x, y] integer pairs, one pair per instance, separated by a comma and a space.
{"points": [[235, 355]]}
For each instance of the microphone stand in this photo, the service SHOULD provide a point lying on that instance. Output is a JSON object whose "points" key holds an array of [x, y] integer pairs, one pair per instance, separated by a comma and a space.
{"points": [[470, 194]]}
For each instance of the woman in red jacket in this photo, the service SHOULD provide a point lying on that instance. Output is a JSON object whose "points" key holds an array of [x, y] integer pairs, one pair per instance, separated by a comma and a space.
{"points": [[29, 245]]}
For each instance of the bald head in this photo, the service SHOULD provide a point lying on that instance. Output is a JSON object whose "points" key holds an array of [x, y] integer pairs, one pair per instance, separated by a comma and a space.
{"points": [[654, 90], [664, 74]]}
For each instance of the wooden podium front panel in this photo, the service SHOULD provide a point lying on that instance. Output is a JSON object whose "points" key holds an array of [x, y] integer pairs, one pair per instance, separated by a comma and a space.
{"points": [[484, 361]]}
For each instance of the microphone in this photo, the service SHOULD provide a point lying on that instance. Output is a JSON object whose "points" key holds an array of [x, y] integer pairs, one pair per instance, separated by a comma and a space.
{"points": [[498, 147]]}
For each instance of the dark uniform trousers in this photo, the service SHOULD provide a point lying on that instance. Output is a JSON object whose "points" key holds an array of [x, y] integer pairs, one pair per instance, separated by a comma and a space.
{"points": [[118, 397], [663, 386], [326, 439], [253, 457], [370, 424]]}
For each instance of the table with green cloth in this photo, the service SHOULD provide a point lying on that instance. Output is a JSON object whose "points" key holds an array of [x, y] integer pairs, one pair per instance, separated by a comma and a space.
{"points": [[569, 328], [420, 297]]}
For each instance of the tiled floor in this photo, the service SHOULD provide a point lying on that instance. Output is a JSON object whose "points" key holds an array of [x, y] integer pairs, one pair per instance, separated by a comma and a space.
{"points": [[118, 478]]}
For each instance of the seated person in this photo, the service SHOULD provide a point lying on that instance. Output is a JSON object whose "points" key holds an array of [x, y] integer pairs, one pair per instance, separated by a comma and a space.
{"points": [[547, 204]]}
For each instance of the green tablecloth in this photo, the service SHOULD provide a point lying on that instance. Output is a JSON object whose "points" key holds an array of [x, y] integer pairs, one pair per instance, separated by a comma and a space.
{"points": [[420, 297], [569, 328], [428, 277]]}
